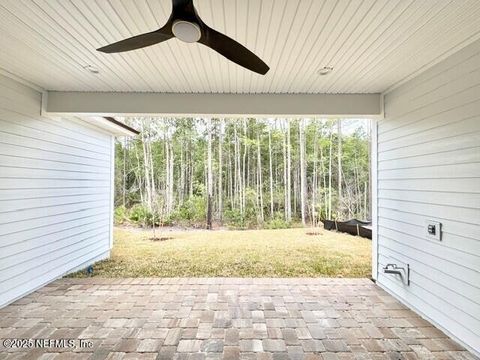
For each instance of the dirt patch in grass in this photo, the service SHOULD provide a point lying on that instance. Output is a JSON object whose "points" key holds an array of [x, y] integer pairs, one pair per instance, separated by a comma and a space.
{"points": [[228, 253], [161, 238]]}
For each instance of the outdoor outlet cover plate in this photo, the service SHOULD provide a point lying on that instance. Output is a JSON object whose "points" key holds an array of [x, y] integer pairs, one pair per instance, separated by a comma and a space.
{"points": [[433, 230]]}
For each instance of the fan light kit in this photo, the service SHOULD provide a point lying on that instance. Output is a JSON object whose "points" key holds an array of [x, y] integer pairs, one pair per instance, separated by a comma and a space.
{"points": [[186, 31], [185, 24], [325, 70]]}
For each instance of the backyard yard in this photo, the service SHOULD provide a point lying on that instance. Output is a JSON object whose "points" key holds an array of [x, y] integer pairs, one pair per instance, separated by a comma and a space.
{"points": [[296, 252]]}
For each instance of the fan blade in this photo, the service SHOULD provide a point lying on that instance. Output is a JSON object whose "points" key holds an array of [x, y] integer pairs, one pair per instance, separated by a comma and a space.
{"points": [[233, 50], [138, 41]]}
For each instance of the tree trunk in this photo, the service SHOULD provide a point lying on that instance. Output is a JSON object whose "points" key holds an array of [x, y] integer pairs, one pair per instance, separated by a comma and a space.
{"points": [[323, 184], [138, 177], [271, 170], [209, 174], [124, 177], [314, 177], [230, 178], [238, 193], [171, 182], [259, 177], [289, 174], [167, 173], [339, 158], [330, 175], [285, 189], [220, 171], [244, 170], [181, 192], [303, 177], [146, 165]]}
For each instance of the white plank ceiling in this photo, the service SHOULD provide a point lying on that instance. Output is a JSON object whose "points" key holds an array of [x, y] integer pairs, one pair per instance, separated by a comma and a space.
{"points": [[371, 44]]}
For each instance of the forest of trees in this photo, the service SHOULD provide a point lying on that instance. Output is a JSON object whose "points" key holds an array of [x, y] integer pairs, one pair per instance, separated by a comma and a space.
{"points": [[243, 173]]}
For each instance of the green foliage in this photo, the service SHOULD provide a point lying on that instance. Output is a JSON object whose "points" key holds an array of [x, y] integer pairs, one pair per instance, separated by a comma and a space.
{"points": [[237, 220], [140, 215], [278, 222], [137, 213], [192, 212], [242, 143], [121, 215]]}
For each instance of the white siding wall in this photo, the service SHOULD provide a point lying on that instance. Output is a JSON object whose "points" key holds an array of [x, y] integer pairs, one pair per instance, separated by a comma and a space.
{"points": [[429, 168], [55, 182]]}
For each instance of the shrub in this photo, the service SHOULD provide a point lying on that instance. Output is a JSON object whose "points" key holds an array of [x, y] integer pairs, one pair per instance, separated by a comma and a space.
{"points": [[278, 223], [235, 219], [121, 215], [142, 216], [238, 221], [191, 212], [137, 213]]}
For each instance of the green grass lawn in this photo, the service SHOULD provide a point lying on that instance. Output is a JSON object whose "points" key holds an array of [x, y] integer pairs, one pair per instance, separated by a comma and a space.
{"points": [[251, 253]]}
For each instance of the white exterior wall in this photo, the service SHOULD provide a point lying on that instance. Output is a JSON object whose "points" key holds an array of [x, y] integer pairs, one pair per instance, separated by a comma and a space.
{"points": [[55, 193], [429, 168]]}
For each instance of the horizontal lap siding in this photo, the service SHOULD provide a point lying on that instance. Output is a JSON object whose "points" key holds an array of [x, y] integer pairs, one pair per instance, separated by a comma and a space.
{"points": [[55, 180], [429, 168]]}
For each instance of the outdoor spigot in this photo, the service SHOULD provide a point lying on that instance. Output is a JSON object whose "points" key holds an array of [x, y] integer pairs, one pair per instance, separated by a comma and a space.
{"points": [[396, 270]]}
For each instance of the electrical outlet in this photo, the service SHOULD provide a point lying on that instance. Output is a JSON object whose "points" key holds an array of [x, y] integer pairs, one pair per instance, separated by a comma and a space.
{"points": [[433, 230]]}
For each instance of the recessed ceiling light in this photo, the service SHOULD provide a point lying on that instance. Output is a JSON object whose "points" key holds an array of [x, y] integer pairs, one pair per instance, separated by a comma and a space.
{"points": [[92, 69], [325, 70]]}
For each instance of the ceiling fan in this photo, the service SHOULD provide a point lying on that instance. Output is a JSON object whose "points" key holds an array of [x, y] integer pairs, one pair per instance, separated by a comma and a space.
{"points": [[185, 24]]}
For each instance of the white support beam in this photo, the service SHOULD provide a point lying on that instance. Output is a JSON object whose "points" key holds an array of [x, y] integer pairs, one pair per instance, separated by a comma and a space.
{"points": [[141, 104]]}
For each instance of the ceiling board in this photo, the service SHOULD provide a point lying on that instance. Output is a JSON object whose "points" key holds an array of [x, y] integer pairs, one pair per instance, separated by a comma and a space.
{"points": [[371, 44]]}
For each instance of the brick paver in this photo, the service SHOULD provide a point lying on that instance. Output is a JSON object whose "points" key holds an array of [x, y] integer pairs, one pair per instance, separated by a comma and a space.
{"points": [[221, 318]]}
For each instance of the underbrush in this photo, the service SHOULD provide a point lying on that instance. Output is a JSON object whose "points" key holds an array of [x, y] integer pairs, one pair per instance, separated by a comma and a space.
{"points": [[192, 214]]}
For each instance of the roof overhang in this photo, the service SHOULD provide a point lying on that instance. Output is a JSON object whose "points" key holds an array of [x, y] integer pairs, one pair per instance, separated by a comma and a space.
{"points": [[163, 104], [120, 127], [110, 125]]}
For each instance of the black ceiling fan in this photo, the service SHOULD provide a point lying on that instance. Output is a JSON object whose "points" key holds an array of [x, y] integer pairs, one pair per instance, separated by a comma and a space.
{"points": [[185, 24]]}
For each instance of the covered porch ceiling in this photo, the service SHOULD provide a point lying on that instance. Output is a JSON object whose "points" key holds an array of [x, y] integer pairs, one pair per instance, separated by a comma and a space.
{"points": [[372, 46]]}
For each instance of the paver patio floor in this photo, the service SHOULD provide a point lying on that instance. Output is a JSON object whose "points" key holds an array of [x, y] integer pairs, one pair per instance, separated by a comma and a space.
{"points": [[220, 318]]}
